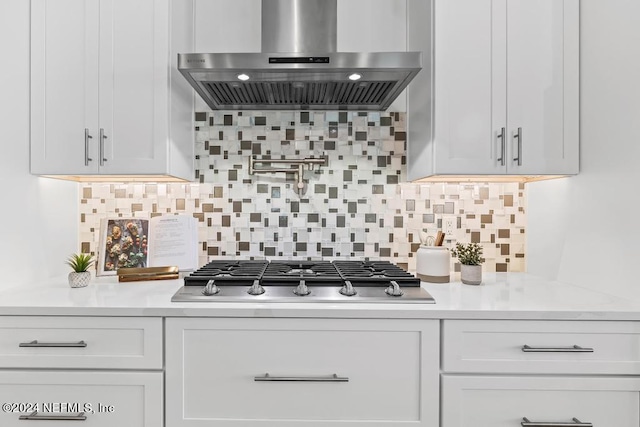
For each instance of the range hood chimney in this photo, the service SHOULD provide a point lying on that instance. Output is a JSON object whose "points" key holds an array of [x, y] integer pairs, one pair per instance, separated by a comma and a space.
{"points": [[297, 26], [299, 67]]}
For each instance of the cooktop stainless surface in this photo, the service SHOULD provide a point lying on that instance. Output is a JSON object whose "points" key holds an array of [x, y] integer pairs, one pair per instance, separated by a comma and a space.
{"points": [[302, 281]]}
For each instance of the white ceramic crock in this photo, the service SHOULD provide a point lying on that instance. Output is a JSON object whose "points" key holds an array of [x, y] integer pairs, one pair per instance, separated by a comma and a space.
{"points": [[433, 264]]}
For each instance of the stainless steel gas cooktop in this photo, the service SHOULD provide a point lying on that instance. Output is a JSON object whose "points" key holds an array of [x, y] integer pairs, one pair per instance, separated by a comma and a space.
{"points": [[302, 281]]}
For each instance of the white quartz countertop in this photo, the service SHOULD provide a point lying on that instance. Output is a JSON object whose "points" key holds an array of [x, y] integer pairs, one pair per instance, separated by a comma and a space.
{"points": [[501, 296]]}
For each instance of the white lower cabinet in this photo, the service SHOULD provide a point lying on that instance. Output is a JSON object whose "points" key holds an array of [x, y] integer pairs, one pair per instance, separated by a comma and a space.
{"points": [[99, 399], [541, 347], [280, 372], [495, 401], [499, 373], [292, 372], [103, 371], [70, 342]]}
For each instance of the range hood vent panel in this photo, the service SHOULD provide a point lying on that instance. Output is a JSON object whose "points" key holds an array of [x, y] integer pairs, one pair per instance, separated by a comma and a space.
{"points": [[262, 95], [299, 68]]}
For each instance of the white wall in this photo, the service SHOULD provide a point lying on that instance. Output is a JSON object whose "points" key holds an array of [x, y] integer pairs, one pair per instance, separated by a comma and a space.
{"points": [[38, 216], [586, 229]]}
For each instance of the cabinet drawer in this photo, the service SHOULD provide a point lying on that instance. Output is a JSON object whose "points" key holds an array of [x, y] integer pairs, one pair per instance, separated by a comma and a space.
{"points": [[81, 342], [569, 347], [385, 372], [108, 399], [505, 401]]}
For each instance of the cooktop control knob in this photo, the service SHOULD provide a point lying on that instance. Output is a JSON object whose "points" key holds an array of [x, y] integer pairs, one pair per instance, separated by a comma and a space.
{"points": [[394, 289], [302, 289], [347, 290], [210, 288], [256, 288]]}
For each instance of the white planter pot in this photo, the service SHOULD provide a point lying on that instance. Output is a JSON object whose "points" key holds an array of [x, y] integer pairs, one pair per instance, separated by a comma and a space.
{"points": [[471, 274], [79, 280]]}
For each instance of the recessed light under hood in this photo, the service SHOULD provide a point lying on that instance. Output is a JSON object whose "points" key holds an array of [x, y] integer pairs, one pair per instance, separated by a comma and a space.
{"points": [[299, 67]]}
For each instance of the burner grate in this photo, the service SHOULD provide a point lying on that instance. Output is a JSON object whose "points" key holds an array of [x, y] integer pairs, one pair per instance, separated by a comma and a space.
{"points": [[375, 272], [319, 273], [231, 272]]}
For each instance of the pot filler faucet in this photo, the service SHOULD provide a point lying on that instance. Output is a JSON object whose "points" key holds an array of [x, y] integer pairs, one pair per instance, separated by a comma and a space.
{"points": [[297, 168]]}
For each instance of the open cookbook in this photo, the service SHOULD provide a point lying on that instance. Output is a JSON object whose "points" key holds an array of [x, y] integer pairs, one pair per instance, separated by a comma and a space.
{"points": [[168, 240]]}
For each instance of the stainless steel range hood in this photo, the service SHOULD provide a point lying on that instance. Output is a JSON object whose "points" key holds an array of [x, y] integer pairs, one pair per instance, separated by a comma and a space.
{"points": [[299, 67]]}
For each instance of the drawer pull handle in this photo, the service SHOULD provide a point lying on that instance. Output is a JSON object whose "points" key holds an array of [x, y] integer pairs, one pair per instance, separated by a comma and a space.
{"points": [[35, 343], [322, 379], [575, 423], [49, 417], [573, 349]]}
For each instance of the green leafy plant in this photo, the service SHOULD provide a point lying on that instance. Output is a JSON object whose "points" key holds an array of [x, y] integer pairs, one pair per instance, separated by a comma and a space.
{"points": [[468, 253], [80, 262]]}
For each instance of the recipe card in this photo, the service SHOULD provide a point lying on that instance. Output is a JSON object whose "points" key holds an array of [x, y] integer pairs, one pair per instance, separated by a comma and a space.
{"points": [[168, 240]]}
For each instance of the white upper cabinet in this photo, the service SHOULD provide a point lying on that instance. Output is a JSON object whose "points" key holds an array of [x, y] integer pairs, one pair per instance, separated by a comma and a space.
{"points": [[503, 97], [470, 73], [543, 86], [106, 97], [64, 86]]}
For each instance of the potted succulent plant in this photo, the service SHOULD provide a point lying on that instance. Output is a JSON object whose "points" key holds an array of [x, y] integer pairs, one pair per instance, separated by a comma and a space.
{"points": [[80, 263], [470, 257]]}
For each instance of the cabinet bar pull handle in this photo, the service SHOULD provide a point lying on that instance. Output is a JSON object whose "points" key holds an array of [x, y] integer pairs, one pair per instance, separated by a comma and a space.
{"points": [[518, 136], [49, 417], [102, 138], [87, 137], [574, 423], [573, 349], [323, 379], [501, 136], [35, 343]]}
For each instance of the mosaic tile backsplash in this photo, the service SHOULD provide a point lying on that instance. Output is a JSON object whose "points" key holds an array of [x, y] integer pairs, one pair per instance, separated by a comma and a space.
{"points": [[357, 206]]}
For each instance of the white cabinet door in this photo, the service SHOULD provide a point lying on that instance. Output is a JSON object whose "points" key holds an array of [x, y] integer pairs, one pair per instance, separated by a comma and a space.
{"points": [[133, 86], [106, 399], [107, 98], [289, 372], [64, 86], [504, 401], [470, 91], [505, 89], [543, 86]]}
